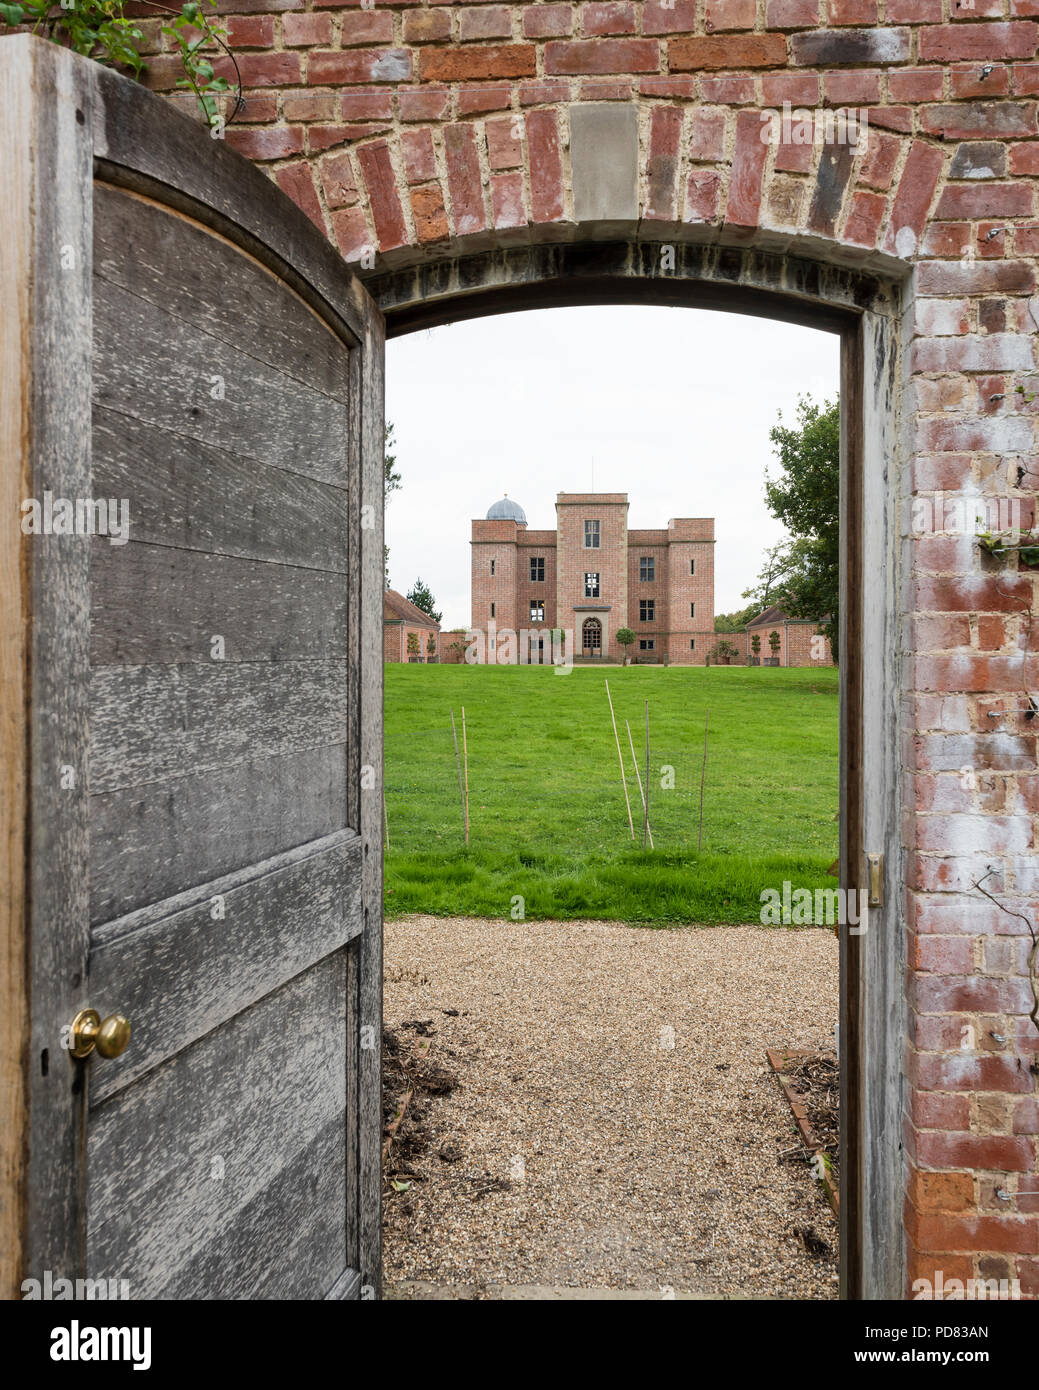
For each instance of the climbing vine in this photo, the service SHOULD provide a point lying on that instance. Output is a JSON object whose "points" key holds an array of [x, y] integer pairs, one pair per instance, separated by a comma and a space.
{"points": [[101, 30], [1002, 542], [1026, 547], [1033, 977]]}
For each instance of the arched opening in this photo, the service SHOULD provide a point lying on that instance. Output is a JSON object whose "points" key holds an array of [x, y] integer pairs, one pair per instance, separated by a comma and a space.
{"points": [[591, 638], [863, 311]]}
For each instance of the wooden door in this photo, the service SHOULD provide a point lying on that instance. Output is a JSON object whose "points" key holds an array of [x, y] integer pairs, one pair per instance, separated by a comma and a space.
{"points": [[194, 709]]}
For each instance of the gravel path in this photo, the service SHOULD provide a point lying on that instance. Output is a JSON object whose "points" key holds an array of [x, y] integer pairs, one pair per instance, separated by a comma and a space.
{"points": [[615, 1124]]}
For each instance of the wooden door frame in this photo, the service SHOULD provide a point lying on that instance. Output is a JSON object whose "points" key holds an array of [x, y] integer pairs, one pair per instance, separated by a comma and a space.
{"points": [[866, 312], [66, 122]]}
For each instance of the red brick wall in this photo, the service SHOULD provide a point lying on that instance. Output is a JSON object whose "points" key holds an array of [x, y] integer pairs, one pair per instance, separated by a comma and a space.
{"points": [[497, 541], [395, 641], [798, 646], [455, 638], [692, 542], [533, 545], [409, 123], [422, 128], [795, 643], [391, 642], [649, 543]]}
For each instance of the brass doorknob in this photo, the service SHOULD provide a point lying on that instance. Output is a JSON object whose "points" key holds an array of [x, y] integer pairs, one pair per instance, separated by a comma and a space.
{"points": [[110, 1037]]}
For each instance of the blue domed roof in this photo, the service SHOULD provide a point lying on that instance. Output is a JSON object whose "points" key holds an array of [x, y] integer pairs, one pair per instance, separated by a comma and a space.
{"points": [[507, 510]]}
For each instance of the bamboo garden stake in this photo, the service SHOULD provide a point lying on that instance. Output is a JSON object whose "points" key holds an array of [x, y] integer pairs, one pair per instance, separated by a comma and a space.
{"points": [[458, 764], [642, 794], [465, 763], [703, 774], [645, 818], [620, 758]]}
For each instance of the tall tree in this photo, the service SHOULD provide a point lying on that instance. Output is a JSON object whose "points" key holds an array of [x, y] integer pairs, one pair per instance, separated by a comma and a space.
{"points": [[421, 597], [769, 581], [391, 480], [735, 622], [805, 575], [392, 477]]}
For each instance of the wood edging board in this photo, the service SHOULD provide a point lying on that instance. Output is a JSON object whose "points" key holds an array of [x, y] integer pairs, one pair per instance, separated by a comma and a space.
{"points": [[778, 1060]]}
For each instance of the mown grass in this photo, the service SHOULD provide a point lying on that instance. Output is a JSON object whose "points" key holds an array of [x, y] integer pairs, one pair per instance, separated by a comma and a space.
{"points": [[547, 816]]}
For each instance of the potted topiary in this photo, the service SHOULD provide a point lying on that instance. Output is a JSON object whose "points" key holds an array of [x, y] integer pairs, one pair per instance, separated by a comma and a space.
{"points": [[724, 651]]}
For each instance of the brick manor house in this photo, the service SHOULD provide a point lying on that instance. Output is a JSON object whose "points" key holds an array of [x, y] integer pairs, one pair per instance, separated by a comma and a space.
{"points": [[592, 576]]}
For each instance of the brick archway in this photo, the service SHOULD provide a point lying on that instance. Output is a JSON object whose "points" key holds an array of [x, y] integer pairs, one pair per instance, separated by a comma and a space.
{"points": [[483, 150], [411, 127]]}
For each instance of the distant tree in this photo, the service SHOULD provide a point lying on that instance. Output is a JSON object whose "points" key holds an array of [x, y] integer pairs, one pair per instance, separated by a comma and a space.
{"points": [[735, 622], [755, 643], [431, 644], [626, 638], [770, 580], [421, 597], [390, 474], [413, 646], [391, 479], [773, 642], [805, 498]]}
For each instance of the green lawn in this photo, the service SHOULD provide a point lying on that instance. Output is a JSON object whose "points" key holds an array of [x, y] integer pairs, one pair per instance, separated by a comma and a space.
{"points": [[547, 817]]}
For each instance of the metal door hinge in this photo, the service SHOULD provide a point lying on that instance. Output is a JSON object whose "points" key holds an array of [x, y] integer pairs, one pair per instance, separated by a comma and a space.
{"points": [[876, 880]]}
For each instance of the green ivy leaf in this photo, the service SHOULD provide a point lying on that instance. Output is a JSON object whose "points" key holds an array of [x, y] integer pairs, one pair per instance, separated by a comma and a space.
{"points": [[99, 29]]}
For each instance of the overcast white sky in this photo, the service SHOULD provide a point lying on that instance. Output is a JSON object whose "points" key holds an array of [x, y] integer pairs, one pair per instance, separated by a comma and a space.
{"points": [[672, 406]]}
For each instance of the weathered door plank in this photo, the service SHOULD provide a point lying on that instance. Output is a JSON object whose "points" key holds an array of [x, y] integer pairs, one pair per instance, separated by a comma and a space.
{"points": [[177, 1157], [174, 262], [156, 722], [153, 367], [185, 493], [149, 842], [182, 971], [159, 605]]}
